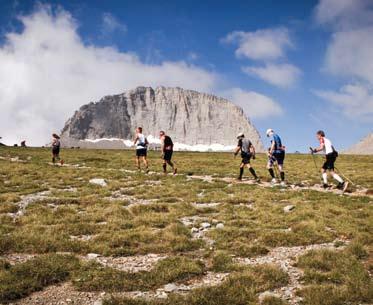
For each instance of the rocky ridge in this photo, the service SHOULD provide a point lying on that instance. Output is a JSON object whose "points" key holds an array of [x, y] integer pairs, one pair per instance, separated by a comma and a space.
{"points": [[364, 147], [193, 120]]}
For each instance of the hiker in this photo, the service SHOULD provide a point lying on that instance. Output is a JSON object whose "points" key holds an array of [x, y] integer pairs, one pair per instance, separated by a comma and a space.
{"points": [[276, 156], [247, 152], [141, 148], [167, 147], [331, 155], [56, 144]]}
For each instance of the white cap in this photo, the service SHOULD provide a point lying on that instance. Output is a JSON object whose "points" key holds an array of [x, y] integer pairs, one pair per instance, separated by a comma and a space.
{"points": [[269, 131], [240, 135]]}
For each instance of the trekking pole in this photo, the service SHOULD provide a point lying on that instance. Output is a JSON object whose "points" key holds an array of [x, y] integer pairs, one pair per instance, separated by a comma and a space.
{"points": [[275, 167], [314, 162], [349, 180]]}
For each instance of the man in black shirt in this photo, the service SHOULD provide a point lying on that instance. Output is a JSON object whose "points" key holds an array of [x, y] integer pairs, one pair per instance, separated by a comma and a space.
{"points": [[167, 151], [247, 152]]}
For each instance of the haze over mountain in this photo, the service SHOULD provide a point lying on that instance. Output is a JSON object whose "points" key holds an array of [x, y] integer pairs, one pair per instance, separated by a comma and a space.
{"points": [[195, 121], [363, 147]]}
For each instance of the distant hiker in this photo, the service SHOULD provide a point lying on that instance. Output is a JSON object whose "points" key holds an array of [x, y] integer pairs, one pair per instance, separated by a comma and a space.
{"points": [[331, 155], [56, 144], [247, 152], [276, 156], [167, 151], [141, 148]]}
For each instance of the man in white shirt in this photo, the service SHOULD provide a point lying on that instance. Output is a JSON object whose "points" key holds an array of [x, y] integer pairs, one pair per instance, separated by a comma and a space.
{"points": [[141, 148], [331, 155]]}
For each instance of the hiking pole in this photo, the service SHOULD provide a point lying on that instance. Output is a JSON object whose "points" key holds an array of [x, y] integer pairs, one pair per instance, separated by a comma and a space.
{"points": [[349, 180], [275, 167], [314, 162]]}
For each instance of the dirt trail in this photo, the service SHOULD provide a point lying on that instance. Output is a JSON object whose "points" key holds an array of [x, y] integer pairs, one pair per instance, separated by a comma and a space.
{"points": [[289, 187]]}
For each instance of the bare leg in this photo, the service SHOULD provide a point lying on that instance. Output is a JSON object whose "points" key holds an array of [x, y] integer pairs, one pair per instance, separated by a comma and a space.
{"points": [[252, 170], [242, 166], [146, 163], [164, 165], [270, 170], [138, 162], [281, 170], [173, 166]]}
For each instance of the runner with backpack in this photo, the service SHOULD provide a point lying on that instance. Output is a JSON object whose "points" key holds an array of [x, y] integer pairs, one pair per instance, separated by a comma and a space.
{"points": [[141, 149], [331, 155], [276, 156], [247, 152]]}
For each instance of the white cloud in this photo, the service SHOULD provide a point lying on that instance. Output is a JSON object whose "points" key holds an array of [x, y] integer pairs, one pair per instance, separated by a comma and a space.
{"points": [[265, 44], [47, 72], [349, 54], [281, 75], [111, 24], [344, 14], [254, 104], [356, 100]]}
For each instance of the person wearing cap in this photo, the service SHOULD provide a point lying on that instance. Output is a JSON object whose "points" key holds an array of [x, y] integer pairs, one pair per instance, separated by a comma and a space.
{"points": [[331, 155], [56, 144], [247, 152], [276, 154]]}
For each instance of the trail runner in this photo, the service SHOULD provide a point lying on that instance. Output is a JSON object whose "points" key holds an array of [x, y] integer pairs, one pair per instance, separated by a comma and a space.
{"points": [[247, 152], [331, 155]]}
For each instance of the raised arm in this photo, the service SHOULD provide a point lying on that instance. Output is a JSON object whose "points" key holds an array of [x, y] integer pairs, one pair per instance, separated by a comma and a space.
{"points": [[320, 148], [135, 140]]}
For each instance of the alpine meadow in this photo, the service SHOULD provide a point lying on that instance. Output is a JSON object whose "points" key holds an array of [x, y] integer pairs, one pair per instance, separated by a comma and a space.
{"points": [[96, 230]]}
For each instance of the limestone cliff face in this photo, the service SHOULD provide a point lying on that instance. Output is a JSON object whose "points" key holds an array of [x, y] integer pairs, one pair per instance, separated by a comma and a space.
{"points": [[364, 147], [189, 117]]}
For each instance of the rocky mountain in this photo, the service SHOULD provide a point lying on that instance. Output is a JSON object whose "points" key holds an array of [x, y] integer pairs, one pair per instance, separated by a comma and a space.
{"points": [[192, 119], [364, 147]]}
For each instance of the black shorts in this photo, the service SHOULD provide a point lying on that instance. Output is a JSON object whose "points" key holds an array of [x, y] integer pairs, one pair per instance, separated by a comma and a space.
{"points": [[167, 155], [278, 157], [141, 152], [329, 162], [55, 150], [246, 157]]}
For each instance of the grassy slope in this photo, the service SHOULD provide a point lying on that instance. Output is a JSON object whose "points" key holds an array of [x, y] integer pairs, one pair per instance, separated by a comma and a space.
{"points": [[48, 223]]}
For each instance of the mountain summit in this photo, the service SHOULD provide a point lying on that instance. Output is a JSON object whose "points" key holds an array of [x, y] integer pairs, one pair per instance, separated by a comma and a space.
{"points": [[195, 121], [364, 147]]}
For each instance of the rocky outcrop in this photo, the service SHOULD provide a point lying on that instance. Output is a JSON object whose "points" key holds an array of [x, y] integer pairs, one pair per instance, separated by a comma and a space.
{"points": [[364, 147], [189, 117]]}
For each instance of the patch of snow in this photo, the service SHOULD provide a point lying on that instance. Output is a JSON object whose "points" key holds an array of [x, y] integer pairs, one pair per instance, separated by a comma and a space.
{"points": [[177, 145]]}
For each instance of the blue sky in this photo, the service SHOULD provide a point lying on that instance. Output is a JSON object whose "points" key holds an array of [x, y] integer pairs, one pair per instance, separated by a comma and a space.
{"points": [[294, 66]]}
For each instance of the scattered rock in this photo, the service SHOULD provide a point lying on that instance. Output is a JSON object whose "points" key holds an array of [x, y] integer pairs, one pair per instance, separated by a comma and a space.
{"points": [[170, 287], [194, 230], [205, 225], [92, 255], [267, 294], [98, 302], [161, 295], [220, 226], [98, 181], [289, 208]]}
